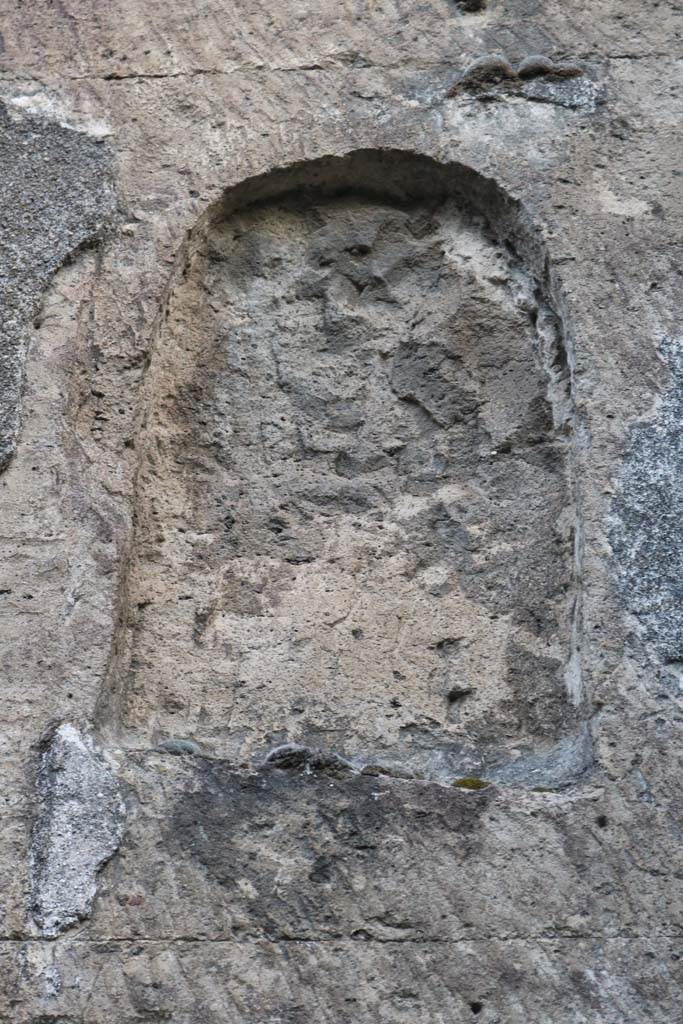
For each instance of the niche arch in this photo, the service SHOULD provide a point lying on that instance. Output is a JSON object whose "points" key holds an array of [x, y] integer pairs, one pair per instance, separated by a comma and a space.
{"points": [[356, 505]]}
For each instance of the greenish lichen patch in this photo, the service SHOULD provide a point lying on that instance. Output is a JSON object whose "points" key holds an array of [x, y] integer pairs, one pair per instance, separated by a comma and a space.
{"points": [[470, 782]]}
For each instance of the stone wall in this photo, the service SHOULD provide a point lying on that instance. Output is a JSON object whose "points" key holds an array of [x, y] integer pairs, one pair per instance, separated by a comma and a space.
{"points": [[341, 505]]}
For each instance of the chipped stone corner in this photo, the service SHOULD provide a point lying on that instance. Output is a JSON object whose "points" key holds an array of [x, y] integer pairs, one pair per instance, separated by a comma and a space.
{"points": [[536, 78], [79, 827]]}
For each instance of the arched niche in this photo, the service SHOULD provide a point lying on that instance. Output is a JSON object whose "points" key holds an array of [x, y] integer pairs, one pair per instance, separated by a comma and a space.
{"points": [[356, 522]]}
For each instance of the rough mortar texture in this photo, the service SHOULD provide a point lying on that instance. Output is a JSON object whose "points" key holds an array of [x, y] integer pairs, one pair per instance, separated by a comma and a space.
{"points": [[648, 513], [340, 512]]}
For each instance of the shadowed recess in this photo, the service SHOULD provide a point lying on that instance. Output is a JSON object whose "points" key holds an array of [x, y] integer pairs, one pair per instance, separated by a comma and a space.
{"points": [[356, 523]]}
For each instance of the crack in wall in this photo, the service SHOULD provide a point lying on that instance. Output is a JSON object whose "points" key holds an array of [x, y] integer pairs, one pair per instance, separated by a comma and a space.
{"points": [[323, 67], [543, 935]]}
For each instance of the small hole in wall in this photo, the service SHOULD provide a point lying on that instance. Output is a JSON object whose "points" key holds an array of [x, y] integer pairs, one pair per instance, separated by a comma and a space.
{"points": [[470, 6], [602, 821], [476, 1007], [457, 693]]}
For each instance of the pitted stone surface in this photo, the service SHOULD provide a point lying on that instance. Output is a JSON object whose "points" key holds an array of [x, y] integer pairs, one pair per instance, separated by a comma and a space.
{"points": [[354, 514]]}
